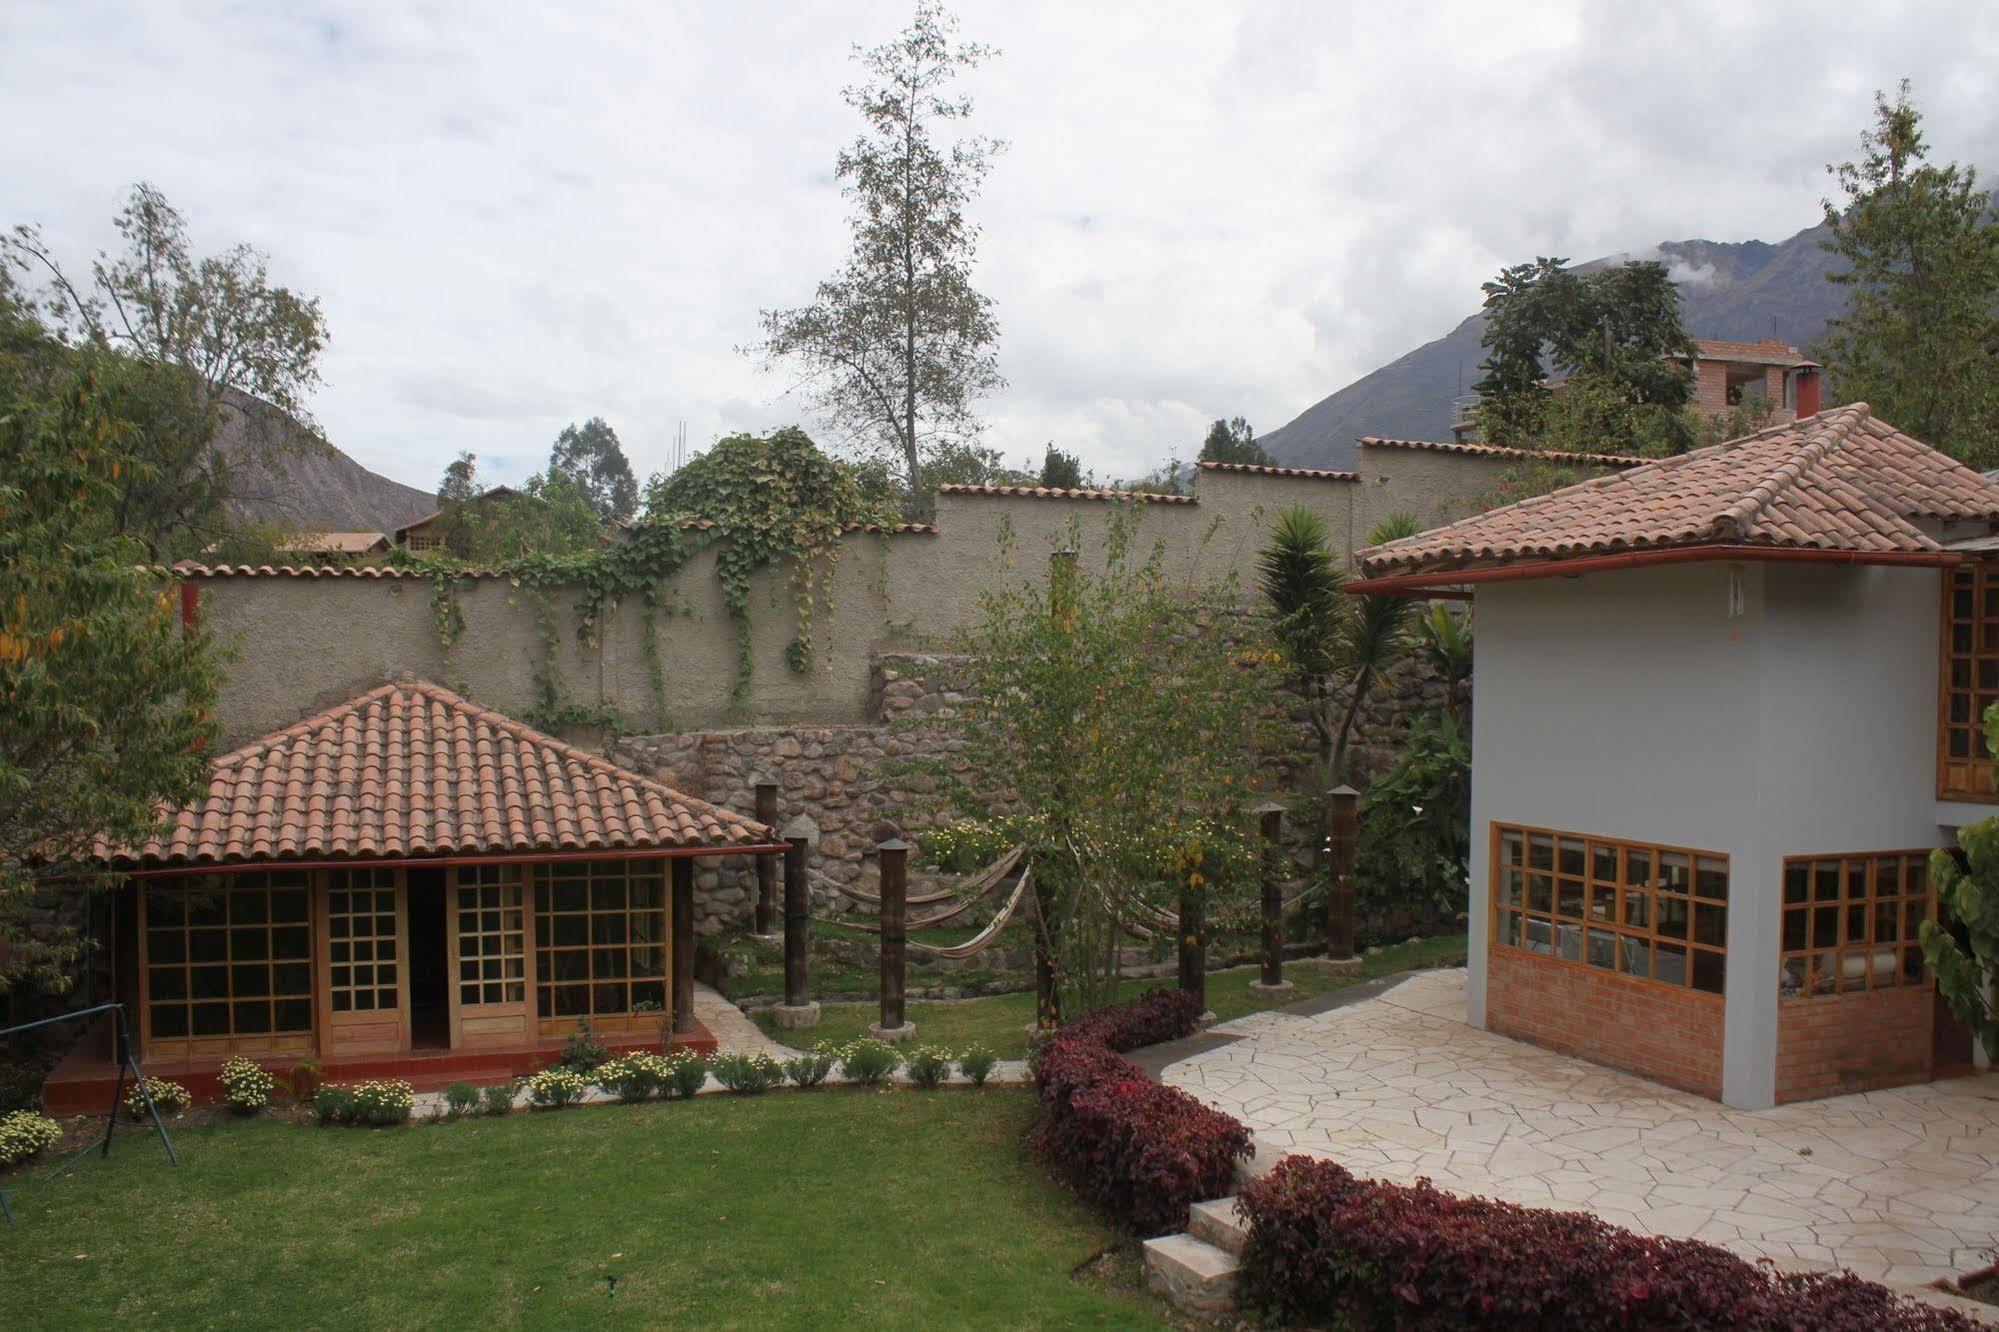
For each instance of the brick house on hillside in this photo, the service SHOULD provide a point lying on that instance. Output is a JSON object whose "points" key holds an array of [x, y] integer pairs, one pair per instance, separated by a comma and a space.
{"points": [[1735, 374]]}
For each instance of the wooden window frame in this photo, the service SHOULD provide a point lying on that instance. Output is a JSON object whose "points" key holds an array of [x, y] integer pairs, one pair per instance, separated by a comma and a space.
{"points": [[547, 953], [385, 951], [1800, 970], [1635, 915], [488, 970], [1967, 671], [272, 1038]]}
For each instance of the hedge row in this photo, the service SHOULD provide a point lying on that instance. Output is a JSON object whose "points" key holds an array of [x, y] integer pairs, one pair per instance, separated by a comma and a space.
{"points": [[1325, 1247], [1141, 1152]]}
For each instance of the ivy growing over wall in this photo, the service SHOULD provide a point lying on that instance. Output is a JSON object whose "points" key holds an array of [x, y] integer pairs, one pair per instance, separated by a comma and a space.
{"points": [[763, 502]]}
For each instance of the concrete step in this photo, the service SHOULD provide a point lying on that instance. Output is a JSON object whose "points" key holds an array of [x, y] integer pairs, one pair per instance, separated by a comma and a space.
{"points": [[1219, 1223], [1195, 1276]]}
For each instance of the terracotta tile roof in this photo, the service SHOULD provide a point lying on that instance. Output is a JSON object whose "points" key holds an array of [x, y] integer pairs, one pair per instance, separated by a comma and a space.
{"points": [[411, 769], [1770, 351], [1839, 481], [1498, 451], [1262, 469], [1055, 493]]}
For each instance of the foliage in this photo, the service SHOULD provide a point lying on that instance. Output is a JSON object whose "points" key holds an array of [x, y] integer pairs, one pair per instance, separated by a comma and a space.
{"points": [[632, 1077], [556, 1086], [461, 1099], [811, 1067], [302, 1079], [1327, 1248], [1525, 480], [334, 1104], [1742, 418], [1416, 853], [1338, 646], [976, 1062], [868, 1061], [205, 338], [1232, 441], [591, 457], [683, 1074], [169, 1098], [105, 699], [1165, 1014], [746, 1073], [1967, 892], [582, 1052], [499, 1099], [1921, 242], [549, 515], [947, 462], [23, 1134], [928, 1065], [1060, 470], [382, 1101], [897, 346], [245, 1084], [1443, 642], [1612, 332]]}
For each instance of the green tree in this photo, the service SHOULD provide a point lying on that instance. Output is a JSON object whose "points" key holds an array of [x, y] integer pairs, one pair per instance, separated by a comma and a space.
{"points": [[1968, 902], [1061, 471], [1232, 441], [220, 341], [1609, 335], [1918, 337], [897, 347], [962, 463], [1443, 642], [591, 456], [461, 480], [105, 701], [550, 514]]}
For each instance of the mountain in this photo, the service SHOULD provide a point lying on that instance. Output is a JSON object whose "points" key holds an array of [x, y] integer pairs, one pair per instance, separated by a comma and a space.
{"points": [[284, 474], [1740, 291]]}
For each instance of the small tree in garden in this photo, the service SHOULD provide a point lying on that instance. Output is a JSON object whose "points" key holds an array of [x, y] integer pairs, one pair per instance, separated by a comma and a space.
{"points": [[1118, 727], [1968, 896]]}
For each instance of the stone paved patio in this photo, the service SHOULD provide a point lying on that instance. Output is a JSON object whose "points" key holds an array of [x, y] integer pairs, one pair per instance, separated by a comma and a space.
{"points": [[1900, 1186]]}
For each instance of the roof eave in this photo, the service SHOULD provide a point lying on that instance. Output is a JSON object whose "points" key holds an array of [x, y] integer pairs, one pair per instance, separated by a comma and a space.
{"points": [[1426, 583], [151, 869]]}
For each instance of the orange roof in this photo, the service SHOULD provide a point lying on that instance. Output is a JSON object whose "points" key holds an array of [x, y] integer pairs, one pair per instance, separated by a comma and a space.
{"points": [[1057, 493], [411, 769], [1264, 469], [1838, 481], [1500, 451]]}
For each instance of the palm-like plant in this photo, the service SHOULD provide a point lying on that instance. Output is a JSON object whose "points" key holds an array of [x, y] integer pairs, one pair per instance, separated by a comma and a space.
{"points": [[1443, 639]]}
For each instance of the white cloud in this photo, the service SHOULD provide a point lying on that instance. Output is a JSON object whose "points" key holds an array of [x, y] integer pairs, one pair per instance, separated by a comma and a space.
{"points": [[521, 215]]}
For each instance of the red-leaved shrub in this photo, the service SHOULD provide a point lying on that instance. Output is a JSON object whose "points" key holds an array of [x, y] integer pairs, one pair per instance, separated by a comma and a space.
{"points": [[1155, 1016], [1326, 1247]]}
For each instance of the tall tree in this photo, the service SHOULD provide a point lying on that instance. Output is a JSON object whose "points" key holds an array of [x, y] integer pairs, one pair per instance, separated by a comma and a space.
{"points": [[898, 346], [105, 701], [1060, 470], [1232, 441], [221, 341], [1919, 338], [1610, 336], [591, 456]]}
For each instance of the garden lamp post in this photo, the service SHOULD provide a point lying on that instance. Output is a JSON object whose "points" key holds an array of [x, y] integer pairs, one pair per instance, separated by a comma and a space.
{"points": [[1270, 826], [1342, 837], [766, 785]]}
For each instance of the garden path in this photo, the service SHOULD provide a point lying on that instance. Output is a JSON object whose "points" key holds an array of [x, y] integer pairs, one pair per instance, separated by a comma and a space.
{"points": [[1900, 1186]]}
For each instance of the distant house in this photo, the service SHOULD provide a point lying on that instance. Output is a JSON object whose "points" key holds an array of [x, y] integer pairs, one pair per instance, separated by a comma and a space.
{"points": [[1728, 703], [421, 534], [338, 543]]}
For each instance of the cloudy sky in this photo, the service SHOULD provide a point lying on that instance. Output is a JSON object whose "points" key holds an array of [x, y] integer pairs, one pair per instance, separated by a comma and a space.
{"points": [[518, 215]]}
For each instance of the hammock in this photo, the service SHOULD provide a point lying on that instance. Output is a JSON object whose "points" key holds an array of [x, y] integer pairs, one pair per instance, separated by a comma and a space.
{"points": [[978, 885], [943, 917], [981, 941]]}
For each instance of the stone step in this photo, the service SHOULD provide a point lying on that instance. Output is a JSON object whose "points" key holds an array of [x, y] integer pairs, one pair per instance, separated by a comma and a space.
{"points": [[1195, 1276], [1219, 1222]]}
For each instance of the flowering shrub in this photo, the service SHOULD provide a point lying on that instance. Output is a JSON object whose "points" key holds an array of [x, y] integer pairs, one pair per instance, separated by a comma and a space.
{"points": [[1324, 1246], [168, 1097], [245, 1085], [868, 1061], [746, 1073], [928, 1066], [24, 1134], [633, 1077], [683, 1073], [810, 1069], [557, 1086], [385, 1101], [333, 1104], [1141, 1152], [977, 1063]]}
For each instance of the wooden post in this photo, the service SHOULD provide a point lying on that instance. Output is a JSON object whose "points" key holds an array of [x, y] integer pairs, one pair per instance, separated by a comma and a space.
{"points": [[1343, 806], [1193, 944], [797, 1010], [683, 944], [1270, 824], [894, 1024], [1047, 986], [766, 908]]}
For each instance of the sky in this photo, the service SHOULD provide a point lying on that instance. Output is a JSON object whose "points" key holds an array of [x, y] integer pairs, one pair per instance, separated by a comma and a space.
{"points": [[520, 215]]}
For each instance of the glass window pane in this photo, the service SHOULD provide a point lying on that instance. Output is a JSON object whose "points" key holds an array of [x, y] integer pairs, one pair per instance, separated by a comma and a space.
{"points": [[1709, 969], [1541, 851], [167, 983], [252, 1018], [1794, 930], [169, 1020], [1603, 863], [1569, 857], [291, 1015], [1511, 846], [1569, 899], [209, 1019], [1711, 878], [166, 946], [1540, 893], [1672, 917]]}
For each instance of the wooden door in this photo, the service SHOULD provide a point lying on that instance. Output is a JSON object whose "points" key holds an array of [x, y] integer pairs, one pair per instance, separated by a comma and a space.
{"points": [[364, 952], [488, 913]]}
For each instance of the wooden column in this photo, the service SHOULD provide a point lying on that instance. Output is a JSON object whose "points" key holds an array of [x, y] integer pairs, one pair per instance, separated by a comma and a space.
{"points": [[1193, 944], [1270, 825], [797, 915], [766, 908], [1342, 837], [683, 944], [894, 922]]}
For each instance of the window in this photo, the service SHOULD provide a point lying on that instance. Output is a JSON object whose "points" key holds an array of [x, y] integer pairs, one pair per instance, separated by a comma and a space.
{"points": [[1850, 922], [1658, 912], [600, 938], [361, 925], [1970, 684], [229, 956], [492, 951]]}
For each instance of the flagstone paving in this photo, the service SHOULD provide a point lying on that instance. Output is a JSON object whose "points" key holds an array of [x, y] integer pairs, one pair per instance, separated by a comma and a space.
{"points": [[1900, 1186]]}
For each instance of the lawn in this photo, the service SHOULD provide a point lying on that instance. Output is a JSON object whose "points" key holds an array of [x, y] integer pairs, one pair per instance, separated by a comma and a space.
{"points": [[1000, 1022], [898, 1209]]}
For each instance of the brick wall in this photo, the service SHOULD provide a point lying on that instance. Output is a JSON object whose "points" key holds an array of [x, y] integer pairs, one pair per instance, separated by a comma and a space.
{"points": [[1838, 1043], [1662, 1032]]}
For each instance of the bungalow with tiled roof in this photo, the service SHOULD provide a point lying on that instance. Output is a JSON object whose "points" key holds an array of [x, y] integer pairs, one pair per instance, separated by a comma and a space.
{"points": [[408, 885], [1728, 703]]}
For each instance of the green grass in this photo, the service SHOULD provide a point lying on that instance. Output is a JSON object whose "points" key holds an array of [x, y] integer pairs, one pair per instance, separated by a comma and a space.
{"points": [[827, 1208], [1000, 1023]]}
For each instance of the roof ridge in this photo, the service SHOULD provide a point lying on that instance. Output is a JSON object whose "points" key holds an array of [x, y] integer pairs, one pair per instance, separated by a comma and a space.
{"points": [[1521, 506], [1833, 429]]}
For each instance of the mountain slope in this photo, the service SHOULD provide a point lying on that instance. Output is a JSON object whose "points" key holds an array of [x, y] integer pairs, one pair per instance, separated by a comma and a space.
{"points": [[284, 475], [1740, 291]]}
